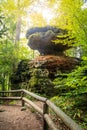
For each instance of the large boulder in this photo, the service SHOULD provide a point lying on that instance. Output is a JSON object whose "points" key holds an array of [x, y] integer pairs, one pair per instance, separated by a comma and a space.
{"points": [[42, 39], [47, 66]]}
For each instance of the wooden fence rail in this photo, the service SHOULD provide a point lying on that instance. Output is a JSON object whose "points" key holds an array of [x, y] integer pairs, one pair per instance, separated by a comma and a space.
{"points": [[47, 121]]}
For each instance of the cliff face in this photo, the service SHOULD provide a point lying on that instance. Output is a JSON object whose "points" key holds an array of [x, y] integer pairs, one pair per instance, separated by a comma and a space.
{"points": [[37, 75]]}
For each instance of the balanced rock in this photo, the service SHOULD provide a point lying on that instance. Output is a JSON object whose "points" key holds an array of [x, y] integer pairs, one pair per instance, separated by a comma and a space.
{"points": [[38, 74], [42, 39]]}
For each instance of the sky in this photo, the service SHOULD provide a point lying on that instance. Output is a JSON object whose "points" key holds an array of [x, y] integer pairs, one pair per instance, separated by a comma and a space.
{"points": [[84, 5], [40, 7]]}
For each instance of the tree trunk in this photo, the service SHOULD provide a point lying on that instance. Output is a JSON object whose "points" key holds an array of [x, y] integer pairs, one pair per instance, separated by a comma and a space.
{"points": [[18, 29]]}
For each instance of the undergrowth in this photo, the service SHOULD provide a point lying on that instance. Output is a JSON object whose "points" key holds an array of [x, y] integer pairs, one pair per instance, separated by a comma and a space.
{"points": [[71, 94]]}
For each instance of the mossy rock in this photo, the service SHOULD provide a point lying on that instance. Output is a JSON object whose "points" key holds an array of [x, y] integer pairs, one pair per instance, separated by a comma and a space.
{"points": [[41, 85], [40, 73], [33, 81]]}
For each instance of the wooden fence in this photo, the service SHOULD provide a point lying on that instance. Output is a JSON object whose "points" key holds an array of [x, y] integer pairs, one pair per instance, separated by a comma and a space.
{"points": [[47, 121]]}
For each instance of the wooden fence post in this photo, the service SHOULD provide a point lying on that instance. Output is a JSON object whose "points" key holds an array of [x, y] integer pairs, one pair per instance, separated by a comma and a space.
{"points": [[45, 111], [22, 95]]}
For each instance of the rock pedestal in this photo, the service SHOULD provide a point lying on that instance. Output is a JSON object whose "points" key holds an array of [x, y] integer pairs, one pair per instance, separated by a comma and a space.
{"points": [[37, 75]]}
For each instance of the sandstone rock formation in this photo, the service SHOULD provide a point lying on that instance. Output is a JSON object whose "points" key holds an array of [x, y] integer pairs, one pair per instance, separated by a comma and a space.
{"points": [[37, 75], [42, 39]]}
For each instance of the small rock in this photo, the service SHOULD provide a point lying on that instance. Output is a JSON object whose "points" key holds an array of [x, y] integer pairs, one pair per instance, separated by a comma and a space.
{"points": [[2, 110], [23, 108]]}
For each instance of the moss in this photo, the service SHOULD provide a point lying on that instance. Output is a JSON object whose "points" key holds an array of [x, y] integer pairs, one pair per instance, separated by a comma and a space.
{"points": [[33, 81], [40, 73]]}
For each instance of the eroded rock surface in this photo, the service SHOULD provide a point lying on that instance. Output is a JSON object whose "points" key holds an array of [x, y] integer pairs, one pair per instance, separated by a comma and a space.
{"points": [[54, 63], [42, 39], [38, 75]]}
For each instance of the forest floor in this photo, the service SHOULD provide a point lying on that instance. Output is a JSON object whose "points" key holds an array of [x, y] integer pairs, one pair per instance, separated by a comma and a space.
{"points": [[13, 117]]}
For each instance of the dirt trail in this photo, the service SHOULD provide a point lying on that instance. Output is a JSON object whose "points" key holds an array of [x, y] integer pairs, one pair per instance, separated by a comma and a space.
{"points": [[13, 118]]}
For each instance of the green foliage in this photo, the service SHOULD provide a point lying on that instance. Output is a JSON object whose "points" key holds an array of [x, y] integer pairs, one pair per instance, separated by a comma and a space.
{"points": [[65, 38], [11, 52], [33, 82], [6, 62], [12, 102], [78, 79], [70, 15], [40, 83], [73, 106], [3, 28], [72, 93], [73, 17]]}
